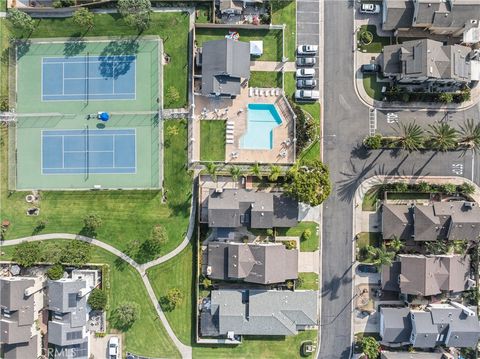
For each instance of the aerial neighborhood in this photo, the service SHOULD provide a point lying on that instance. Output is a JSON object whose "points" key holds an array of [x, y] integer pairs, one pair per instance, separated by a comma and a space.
{"points": [[239, 179]]}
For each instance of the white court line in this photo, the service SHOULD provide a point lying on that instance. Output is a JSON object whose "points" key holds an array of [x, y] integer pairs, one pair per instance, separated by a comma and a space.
{"points": [[63, 82], [63, 152]]}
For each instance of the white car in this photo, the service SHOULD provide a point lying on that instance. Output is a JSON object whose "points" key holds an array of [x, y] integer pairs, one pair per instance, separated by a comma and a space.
{"points": [[305, 72], [370, 9], [307, 95], [307, 50], [113, 348]]}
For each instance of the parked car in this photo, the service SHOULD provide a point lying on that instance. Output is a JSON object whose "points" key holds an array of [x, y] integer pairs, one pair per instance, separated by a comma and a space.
{"points": [[367, 268], [113, 351], [306, 61], [305, 72], [307, 50], [306, 83], [370, 9], [307, 95], [370, 68]]}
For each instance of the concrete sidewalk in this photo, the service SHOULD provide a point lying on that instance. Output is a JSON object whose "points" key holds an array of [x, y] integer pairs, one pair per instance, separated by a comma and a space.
{"points": [[272, 66]]}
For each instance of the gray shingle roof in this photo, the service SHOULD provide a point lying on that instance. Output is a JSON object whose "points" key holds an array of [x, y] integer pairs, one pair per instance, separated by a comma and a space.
{"points": [[261, 312], [425, 332], [224, 63], [233, 208], [390, 275], [407, 355], [254, 263], [427, 225], [398, 14], [25, 350], [396, 325], [397, 221]]}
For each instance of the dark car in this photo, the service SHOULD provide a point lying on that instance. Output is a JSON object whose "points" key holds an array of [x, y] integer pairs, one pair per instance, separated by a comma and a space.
{"points": [[306, 61], [367, 268], [370, 68], [306, 83]]}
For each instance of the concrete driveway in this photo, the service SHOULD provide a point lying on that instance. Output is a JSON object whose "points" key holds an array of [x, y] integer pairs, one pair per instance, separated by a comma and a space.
{"points": [[99, 346], [308, 262]]}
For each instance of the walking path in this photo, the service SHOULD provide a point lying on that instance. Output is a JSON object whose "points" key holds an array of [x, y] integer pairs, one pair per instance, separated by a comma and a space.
{"points": [[272, 66]]}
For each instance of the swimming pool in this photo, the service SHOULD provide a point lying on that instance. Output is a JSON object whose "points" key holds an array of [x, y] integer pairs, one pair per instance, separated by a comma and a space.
{"points": [[262, 118]]}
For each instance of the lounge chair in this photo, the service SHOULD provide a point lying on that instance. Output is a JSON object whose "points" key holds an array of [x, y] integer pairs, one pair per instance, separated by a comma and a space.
{"points": [[230, 141], [229, 132], [250, 92], [255, 91], [261, 92], [229, 135], [230, 123], [277, 92]]}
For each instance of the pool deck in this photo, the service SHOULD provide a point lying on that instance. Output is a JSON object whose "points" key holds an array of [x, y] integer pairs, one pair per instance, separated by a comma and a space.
{"points": [[235, 111]]}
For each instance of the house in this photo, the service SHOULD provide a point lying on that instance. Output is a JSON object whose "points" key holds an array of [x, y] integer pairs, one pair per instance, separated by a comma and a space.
{"points": [[427, 275], [258, 312], [385, 354], [235, 6], [459, 220], [67, 304], [253, 263], [452, 325], [20, 302], [427, 61], [225, 64], [233, 208], [440, 17]]}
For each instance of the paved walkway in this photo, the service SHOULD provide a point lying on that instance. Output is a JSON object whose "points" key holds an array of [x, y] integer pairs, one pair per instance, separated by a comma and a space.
{"points": [[308, 262], [272, 66]]}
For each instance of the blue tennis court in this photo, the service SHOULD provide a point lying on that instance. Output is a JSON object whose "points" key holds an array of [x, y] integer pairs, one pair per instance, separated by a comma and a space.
{"points": [[88, 151], [88, 78]]}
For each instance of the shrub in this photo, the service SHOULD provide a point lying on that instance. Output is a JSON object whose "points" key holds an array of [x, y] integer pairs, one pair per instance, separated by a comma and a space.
{"points": [[173, 298], [366, 37], [55, 272], [83, 18], [4, 107], [424, 187], [27, 254], [206, 283], [290, 244], [21, 20], [373, 142], [370, 347], [265, 19], [445, 97], [467, 188], [306, 235], [92, 223], [305, 128], [98, 299], [136, 13], [448, 188], [270, 232], [463, 96], [400, 187], [77, 253], [172, 94]]}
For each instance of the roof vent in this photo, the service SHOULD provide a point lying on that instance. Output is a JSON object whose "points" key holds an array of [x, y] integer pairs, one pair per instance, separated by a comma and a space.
{"points": [[429, 5], [262, 214], [431, 69], [469, 204]]}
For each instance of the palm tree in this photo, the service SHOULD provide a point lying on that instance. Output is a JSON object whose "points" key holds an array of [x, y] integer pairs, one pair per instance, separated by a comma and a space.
{"points": [[443, 137], [410, 136], [212, 169], [275, 172], [235, 172], [383, 257], [470, 135], [256, 170], [396, 244]]}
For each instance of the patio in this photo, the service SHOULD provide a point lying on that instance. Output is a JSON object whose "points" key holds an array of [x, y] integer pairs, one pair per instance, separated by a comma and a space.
{"points": [[235, 112]]}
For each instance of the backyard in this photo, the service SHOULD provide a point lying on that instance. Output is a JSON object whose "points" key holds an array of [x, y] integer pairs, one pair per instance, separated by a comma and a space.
{"points": [[147, 336], [272, 39], [284, 12], [308, 245], [265, 79], [212, 140], [128, 217], [171, 27], [377, 42]]}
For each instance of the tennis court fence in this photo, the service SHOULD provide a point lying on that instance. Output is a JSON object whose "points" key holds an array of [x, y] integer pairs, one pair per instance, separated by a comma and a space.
{"points": [[12, 155]]}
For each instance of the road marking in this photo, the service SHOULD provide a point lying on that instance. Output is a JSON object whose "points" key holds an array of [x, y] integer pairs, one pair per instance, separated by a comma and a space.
{"points": [[457, 168], [473, 166], [392, 117], [372, 120]]}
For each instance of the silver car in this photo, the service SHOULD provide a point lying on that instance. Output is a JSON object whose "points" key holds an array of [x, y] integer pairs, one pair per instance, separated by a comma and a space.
{"points": [[306, 61], [307, 95]]}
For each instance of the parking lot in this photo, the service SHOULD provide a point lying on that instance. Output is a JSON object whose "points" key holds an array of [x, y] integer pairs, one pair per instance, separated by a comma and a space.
{"points": [[99, 346], [308, 26]]}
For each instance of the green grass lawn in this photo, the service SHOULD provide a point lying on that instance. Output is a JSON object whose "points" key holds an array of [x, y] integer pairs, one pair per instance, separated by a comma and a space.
{"points": [[272, 40], [370, 199], [212, 140], [373, 88], [284, 12], [365, 239], [147, 336], [307, 281], [407, 195], [171, 27], [309, 245], [128, 216], [265, 79], [178, 272], [204, 13], [376, 45], [312, 152]]}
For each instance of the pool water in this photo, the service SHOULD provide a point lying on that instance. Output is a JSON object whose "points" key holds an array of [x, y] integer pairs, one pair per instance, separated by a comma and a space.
{"points": [[261, 120]]}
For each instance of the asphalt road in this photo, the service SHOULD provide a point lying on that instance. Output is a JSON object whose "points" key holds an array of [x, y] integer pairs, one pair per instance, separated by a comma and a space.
{"points": [[345, 126]]}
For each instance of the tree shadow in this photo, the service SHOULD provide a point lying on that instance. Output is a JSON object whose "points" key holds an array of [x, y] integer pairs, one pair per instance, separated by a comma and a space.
{"points": [[117, 58], [360, 152], [23, 46], [74, 45]]}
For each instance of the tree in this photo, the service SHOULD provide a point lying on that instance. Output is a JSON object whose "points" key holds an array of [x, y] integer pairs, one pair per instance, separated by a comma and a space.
{"points": [[436, 247], [51, 253], [83, 18], [446, 97], [410, 136], [55, 272], [269, 232], [77, 253], [136, 13], [235, 172], [125, 315], [373, 142], [370, 347], [308, 182], [306, 235], [91, 224], [470, 135], [256, 171], [172, 94], [212, 169], [467, 188], [97, 299], [21, 20], [275, 172], [27, 254], [448, 188], [442, 137], [383, 257], [158, 237], [174, 298], [424, 187], [396, 245]]}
